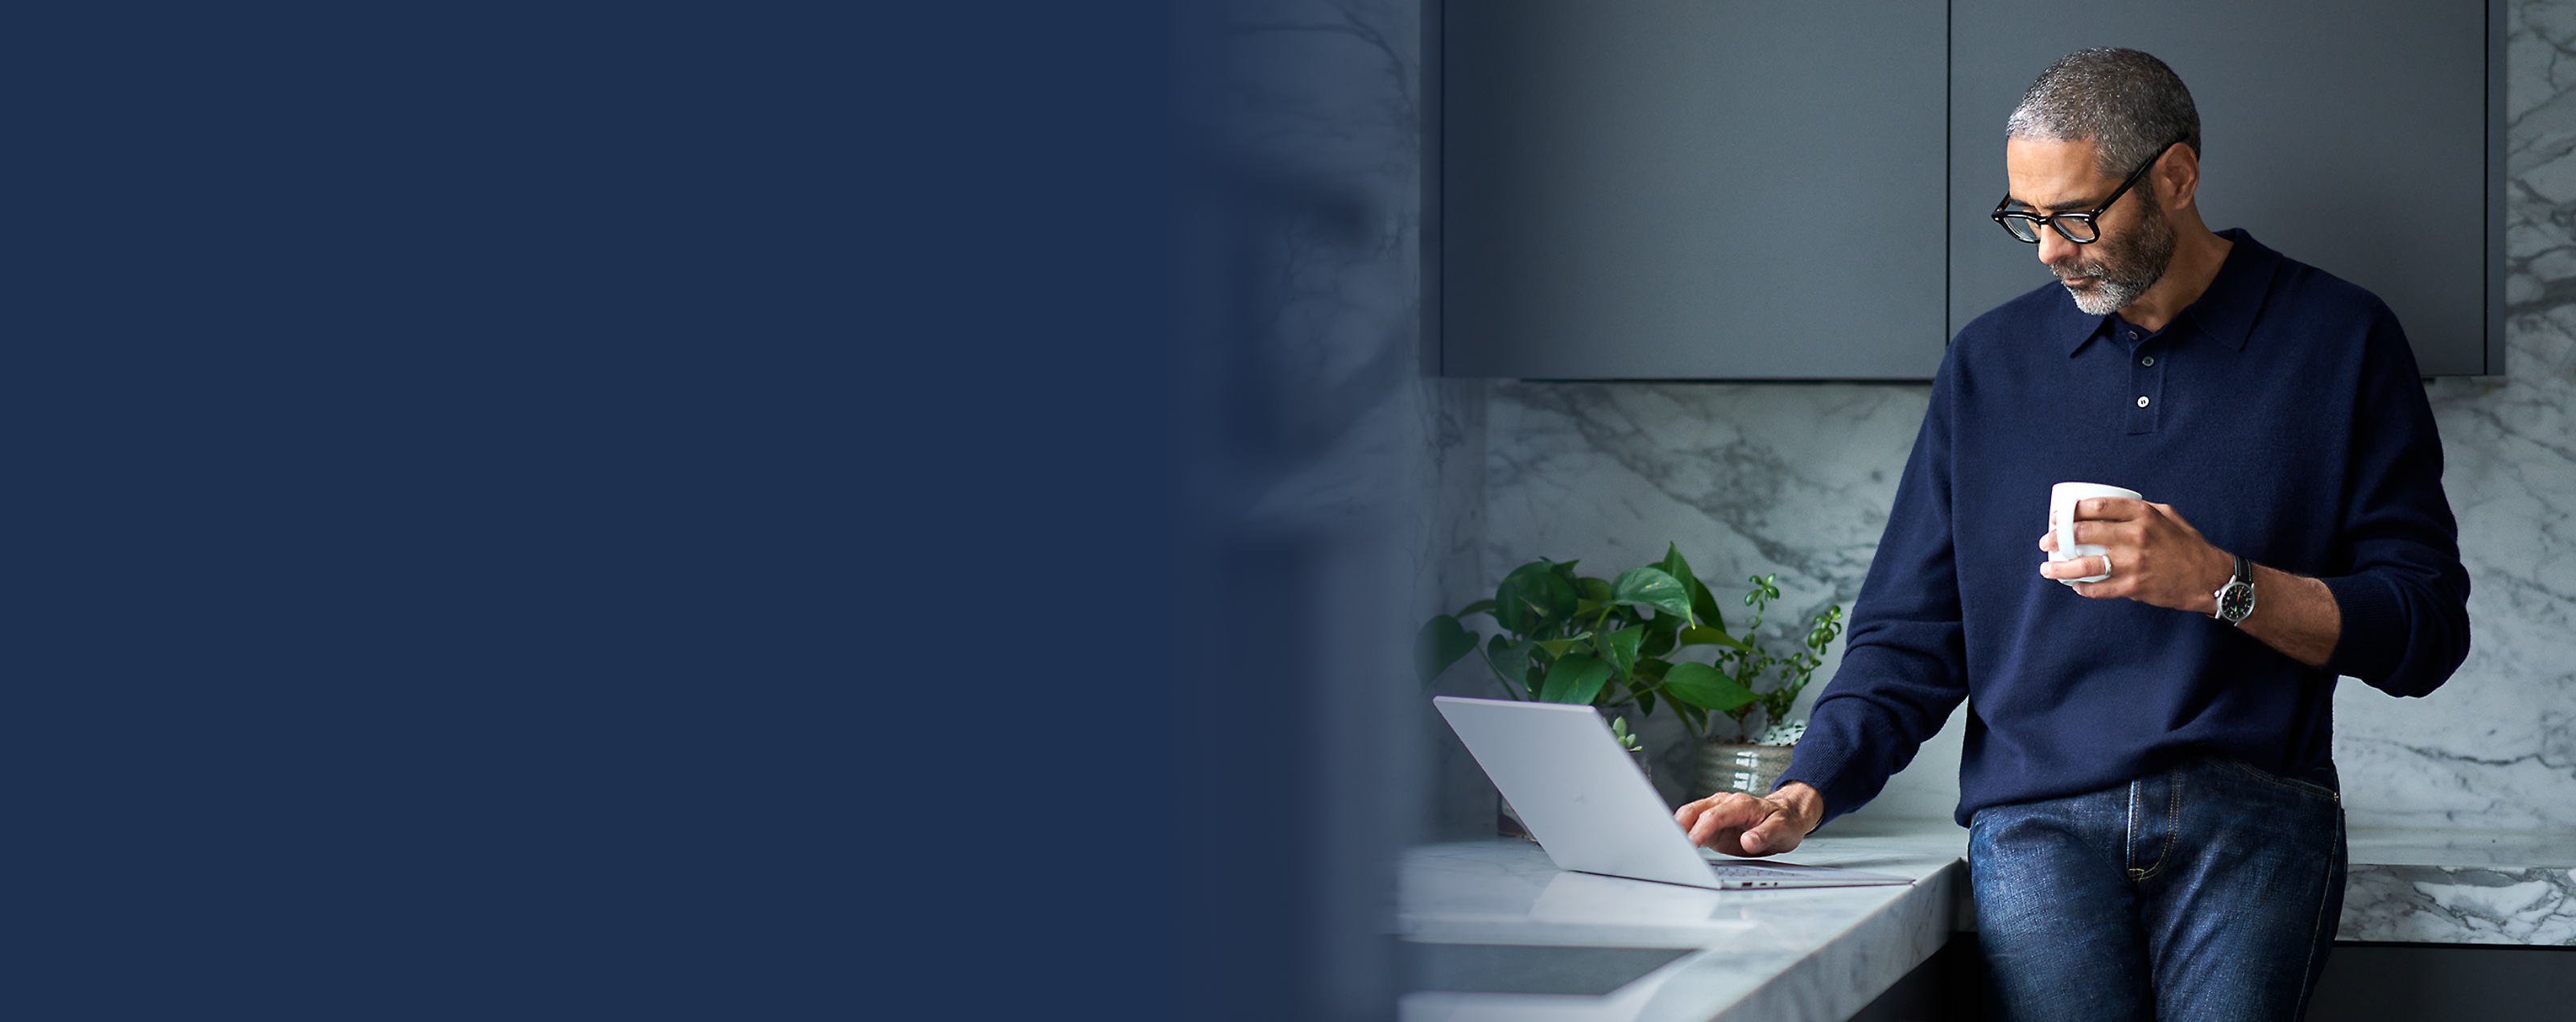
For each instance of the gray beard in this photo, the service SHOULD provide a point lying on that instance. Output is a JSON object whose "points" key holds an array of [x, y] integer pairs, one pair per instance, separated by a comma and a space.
{"points": [[2126, 269]]}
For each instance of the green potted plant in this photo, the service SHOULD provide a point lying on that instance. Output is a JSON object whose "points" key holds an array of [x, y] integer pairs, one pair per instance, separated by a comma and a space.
{"points": [[1756, 759], [1617, 644]]}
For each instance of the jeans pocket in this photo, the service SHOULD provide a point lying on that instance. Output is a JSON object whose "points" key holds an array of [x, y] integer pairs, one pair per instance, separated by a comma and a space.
{"points": [[2303, 786]]}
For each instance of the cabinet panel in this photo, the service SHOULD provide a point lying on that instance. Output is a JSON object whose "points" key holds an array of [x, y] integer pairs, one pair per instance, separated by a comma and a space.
{"points": [[2363, 137], [1686, 189]]}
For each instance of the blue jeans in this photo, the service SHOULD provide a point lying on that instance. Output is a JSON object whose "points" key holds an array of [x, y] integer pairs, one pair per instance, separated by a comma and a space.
{"points": [[2207, 892]]}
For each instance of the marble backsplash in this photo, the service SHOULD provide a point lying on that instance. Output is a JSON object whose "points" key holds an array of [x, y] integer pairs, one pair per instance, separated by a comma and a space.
{"points": [[1747, 479], [2494, 748], [1797, 479]]}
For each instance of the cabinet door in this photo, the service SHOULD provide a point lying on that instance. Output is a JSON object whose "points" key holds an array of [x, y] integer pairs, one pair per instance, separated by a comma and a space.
{"points": [[1692, 189], [2362, 137]]}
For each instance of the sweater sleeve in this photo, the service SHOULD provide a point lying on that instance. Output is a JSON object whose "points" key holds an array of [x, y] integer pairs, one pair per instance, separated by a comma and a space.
{"points": [[1904, 666], [2403, 593]]}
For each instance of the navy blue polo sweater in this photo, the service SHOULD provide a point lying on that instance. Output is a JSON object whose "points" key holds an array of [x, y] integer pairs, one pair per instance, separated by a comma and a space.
{"points": [[2281, 414]]}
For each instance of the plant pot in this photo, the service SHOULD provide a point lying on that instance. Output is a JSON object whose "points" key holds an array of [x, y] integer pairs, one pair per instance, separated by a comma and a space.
{"points": [[1752, 769]]}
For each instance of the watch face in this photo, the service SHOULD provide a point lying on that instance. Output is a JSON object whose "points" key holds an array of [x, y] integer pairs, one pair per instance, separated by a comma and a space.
{"points": [[2235, 601]]}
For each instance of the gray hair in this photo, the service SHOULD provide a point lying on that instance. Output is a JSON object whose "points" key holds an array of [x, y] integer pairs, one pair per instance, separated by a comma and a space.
{"points": [[2127, 103]]}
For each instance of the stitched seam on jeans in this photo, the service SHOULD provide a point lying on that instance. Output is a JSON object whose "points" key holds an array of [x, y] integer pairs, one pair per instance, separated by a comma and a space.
{"points": [[2173, 830], [2325, 893], [2276, 781], [2173, 820], [2129, 838]]}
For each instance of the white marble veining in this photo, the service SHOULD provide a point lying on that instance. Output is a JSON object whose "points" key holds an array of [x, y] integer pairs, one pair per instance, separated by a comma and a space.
{"points": [[2461, 887], [2460, 905], [1747, 479], [2496, 748], [1797, 479], [1763, 954]]}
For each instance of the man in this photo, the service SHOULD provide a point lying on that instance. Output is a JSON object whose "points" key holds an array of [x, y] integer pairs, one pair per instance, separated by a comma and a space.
{"points": [[2155, 830]]}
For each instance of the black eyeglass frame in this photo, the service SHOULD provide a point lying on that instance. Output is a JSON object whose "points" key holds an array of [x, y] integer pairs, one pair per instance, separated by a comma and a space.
{"points": [[2085, 217]]}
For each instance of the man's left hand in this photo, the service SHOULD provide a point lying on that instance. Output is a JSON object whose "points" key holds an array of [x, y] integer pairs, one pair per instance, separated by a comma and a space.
{"points": [[2152, 555]]}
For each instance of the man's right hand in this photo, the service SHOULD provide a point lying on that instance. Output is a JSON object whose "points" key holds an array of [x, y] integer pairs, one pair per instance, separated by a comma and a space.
{"points": [[1740, 824]]}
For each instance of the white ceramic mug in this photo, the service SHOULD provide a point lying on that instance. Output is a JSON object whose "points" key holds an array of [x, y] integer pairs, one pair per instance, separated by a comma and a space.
{"points": [[2061, 516]]}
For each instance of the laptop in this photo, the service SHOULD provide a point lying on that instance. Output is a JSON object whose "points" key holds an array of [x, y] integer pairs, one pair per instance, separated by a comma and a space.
{"points": [[1590, 809]]}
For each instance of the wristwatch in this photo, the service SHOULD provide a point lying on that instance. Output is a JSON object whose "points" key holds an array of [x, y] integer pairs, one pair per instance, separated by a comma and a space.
{"points": [[2236, 598]]}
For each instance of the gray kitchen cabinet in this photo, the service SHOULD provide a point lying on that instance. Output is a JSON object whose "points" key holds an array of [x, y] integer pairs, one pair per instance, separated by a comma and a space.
{"points": [[2362, 137], [1697, 189], [1660, 189]]}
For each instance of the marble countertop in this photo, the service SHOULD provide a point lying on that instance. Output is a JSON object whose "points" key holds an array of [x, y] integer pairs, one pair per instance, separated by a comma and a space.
{"points": [[2460, 887], [1826, 953], [1816, 953], [2515, 848]]}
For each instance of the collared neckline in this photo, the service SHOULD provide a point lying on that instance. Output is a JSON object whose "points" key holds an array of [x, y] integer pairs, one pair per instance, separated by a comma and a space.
{"points": [[2225, 311]]}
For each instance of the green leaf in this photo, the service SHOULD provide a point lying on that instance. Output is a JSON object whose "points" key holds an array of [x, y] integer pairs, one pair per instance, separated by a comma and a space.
{"points": [[1512, 661], [1650, 587], [1533, 597], [1660, 636], [1673, 564], [1645, 704], [1440, 643], [1828, 623], [1593, 589], [1620, 648], [1706, 687], [1556, 647], [1478, 607], [1703, 606], [1761, 589], [1575, 678], [1710, 637]]}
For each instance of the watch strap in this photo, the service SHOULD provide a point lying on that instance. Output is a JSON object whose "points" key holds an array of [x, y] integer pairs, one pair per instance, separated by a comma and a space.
{"points": [[2239, 589]]}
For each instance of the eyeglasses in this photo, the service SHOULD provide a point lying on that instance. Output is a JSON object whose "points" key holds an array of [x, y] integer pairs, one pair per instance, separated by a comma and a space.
{"points": [[2079, 227]]}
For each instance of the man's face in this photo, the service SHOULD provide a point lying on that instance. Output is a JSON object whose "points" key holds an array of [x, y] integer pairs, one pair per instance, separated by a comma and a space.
{"points": [[2136, 242]]}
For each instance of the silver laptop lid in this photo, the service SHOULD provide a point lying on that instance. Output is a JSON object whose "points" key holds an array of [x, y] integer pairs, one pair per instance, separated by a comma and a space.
{"points": [[1576, 789]]}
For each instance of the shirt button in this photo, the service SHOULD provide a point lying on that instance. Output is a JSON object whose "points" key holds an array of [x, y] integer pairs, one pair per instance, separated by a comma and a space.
{"points": [[2133, 335], [2147, 361], [2142, 400]]}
